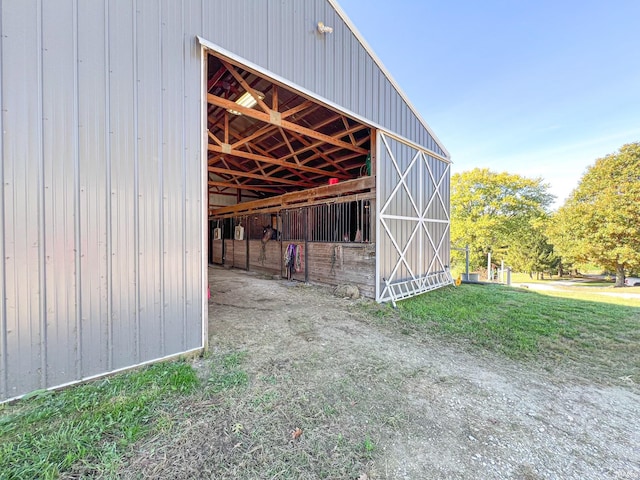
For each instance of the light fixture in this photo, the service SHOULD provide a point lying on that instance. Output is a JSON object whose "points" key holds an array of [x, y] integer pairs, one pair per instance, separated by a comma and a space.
{"points": [[322, 28], [246, 100]]}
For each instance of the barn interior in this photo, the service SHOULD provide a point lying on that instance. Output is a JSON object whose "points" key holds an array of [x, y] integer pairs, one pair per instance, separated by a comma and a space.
{"points": [[291, 181]]}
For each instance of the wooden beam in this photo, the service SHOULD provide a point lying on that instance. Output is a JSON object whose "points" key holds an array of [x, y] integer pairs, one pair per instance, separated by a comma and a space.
{"points": [[250, 146], [298, 108], [274, 97], [273, 161], [226, 126], [246, 86], [257, 188], [346, 127], [289, 199], [286, 140], [238, 173], [267, 129], [363, 183], [277, 208], [321, 154], [256, 150], [214, 138], [214, 78], [272, 118]]}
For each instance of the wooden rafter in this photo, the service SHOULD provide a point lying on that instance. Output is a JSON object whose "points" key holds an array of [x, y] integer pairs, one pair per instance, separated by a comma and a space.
{"points": [[288, 141], [214, 138], [225, 171], [246, 86], [215, 78], [216, 120], [250, 146], [273, 119], [320, 154], [343, 175], [346, 128], [298, 108], [267, 129], [274, 97], [269, 160], [257, 188], [291, 149]]}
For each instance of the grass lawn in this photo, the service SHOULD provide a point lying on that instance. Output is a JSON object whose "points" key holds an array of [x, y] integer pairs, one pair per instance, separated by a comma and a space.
{"points": [[87, 427], [598, 333], [88, 431]]}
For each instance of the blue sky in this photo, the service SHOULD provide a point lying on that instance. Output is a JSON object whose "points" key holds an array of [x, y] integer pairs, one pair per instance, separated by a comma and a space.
{"points": [[540, 88]]}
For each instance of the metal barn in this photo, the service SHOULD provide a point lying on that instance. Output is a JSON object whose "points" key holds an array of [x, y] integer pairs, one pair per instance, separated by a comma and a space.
{"points": [[142, 139]]}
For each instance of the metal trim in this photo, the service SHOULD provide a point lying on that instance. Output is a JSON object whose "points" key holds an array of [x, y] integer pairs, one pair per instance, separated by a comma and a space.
{"points": [[166, 358], [204, 174]]}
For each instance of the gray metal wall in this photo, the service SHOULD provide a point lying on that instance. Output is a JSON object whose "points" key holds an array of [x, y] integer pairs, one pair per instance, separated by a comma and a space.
{"points": [[281, 36], [101, 207]]}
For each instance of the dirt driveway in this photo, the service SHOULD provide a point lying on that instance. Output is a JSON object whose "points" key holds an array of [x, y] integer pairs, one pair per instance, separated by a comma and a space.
{"points": [[375, 402]]}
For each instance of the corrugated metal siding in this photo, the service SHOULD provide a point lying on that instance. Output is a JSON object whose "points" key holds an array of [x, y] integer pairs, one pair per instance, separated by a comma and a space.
{"points": [[102, 206], [413, 219], [3, 282], [101, 172], [281, 36]]}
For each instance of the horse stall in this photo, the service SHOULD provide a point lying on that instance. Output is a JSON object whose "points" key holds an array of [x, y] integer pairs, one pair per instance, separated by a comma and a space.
{"points": [[304, 189], [321, 235]]}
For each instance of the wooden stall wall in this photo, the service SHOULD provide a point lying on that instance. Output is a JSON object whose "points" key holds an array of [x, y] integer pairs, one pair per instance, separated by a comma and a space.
{"points": [[265, 257], [229, 250], [343, 263], [217, 251], [239, 254]]}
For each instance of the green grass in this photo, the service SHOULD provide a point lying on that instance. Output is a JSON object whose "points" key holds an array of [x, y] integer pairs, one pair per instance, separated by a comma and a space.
{"points": [[49, 433], [518, 277], [227, 373], [526, 325], [594, 294], [244, 408]]}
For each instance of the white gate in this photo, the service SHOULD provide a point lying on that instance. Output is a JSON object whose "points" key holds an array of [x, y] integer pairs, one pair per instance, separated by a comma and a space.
{"points": [[412, 227]]}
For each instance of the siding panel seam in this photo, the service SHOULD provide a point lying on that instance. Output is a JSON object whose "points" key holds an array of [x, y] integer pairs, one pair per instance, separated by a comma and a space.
{"points": [[4, 378], [42, 276], [76, 193], [108, 195], [161, 220], [136, 183]]}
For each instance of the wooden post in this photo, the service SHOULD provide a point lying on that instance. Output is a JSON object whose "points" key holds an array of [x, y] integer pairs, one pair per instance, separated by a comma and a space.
{"points": [[306, 244], [373, 203]]}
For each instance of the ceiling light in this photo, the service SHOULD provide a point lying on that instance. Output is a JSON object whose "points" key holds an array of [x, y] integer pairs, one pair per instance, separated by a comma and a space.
{"points": [[246, 100]]}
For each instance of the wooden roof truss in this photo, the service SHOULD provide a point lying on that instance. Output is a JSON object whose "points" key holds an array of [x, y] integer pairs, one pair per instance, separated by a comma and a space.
{"points": [[284, 143]]}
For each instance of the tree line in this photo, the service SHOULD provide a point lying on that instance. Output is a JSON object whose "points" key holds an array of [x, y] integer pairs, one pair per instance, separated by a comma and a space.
{"points": [[510, 216]]}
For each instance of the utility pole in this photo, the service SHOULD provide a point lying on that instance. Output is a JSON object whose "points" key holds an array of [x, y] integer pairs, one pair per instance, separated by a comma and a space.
{"points": [[466, 252]]}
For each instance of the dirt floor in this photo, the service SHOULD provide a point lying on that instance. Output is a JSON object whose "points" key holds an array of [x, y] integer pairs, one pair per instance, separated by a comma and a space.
{"points": [[374, 402]]}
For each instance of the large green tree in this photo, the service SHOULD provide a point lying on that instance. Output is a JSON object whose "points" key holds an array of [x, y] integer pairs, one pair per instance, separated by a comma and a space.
{"points": [[531, 251], [600, 221], [490, 211]]}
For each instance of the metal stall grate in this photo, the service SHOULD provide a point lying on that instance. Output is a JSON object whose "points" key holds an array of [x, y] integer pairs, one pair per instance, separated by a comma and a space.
{"points": [[340, 222]]}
